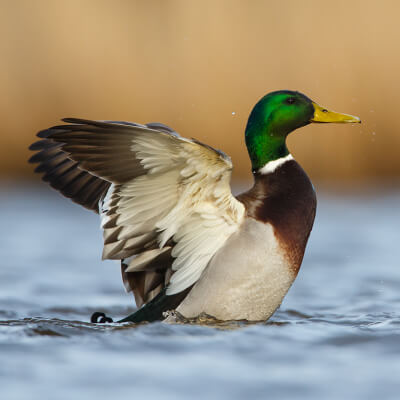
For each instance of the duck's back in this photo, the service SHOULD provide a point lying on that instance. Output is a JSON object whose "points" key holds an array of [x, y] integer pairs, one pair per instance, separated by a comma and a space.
{"points": [[249, 277]]}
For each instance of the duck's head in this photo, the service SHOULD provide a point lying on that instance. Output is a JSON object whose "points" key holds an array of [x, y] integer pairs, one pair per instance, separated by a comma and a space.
{"points": [[275, 116]]}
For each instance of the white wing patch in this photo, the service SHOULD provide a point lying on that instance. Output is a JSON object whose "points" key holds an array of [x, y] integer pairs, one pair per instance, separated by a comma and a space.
{"points": [[184, 201]]}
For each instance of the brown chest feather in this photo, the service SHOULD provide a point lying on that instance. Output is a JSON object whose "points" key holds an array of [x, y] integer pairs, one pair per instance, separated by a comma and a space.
{"points": [[285, 199]]}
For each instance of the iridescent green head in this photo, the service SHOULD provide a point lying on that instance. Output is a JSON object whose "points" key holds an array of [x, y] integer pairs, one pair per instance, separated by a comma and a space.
{"points": [[275, 116]]}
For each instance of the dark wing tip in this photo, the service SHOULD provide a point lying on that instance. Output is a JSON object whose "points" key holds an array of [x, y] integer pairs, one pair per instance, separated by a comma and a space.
{"points": [[61, 172], [71, 120], [35, 158], [44, 133], [36, 145]]}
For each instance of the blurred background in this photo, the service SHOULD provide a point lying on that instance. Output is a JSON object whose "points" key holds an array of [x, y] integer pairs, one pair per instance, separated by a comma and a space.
{"points": [[200, 67]]}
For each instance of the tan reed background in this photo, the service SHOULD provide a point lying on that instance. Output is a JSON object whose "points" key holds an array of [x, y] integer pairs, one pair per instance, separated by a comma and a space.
{"points": [[200, 66]]}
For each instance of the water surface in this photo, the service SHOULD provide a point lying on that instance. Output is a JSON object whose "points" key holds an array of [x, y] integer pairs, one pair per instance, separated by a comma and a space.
{"points": [[337, 334]]}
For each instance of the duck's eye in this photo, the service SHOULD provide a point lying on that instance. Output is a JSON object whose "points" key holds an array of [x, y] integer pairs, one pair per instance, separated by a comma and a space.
{"points": [[290, 100]]}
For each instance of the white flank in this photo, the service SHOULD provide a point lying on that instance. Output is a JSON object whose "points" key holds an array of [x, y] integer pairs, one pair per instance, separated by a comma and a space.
{"points": [[246, 279], [271, 166]]}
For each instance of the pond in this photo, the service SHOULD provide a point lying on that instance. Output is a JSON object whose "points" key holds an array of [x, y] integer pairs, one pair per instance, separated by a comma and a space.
{"points": [[336, 335]]}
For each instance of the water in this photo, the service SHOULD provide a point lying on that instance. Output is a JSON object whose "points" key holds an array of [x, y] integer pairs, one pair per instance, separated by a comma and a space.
{"points": [[336, 336]]}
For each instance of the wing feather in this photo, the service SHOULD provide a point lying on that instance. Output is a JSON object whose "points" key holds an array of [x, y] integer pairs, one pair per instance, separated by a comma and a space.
{"points": [[169, 206], [64, 174]]}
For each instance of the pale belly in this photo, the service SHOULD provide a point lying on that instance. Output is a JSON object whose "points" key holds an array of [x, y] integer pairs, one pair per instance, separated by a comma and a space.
{"points": [[246, 279]]}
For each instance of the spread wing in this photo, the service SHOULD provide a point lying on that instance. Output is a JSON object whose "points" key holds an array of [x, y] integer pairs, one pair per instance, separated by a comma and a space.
{"points": [[169, 207]]}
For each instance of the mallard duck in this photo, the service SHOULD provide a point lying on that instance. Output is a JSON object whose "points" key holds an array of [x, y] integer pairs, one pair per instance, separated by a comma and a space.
{"points": [[185, 243]]}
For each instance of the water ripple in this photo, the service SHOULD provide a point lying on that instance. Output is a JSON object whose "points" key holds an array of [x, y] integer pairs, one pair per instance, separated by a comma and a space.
{"points": [[337, 334]]}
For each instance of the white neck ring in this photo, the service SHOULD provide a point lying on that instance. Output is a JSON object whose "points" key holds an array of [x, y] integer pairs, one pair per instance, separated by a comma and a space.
{"points": [[271, 166]]}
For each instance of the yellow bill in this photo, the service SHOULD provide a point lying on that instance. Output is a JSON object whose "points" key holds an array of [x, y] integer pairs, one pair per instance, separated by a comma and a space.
{"points": [[323, 115]]}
